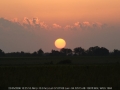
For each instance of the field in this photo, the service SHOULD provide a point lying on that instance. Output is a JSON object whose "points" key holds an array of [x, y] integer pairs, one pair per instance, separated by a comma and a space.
{"points": [[80, 73], [76, 60]]}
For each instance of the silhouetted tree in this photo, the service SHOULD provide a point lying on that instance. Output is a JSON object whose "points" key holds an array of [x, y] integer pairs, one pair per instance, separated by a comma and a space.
{"points": [[34, 53], [40, 52], [79, 51], [104, 51], [22, 53], [97, 51], [116, 52], [55, 53], [92, 51], [47, 54], [69, 52], [2, 53], [27, 54], [66, 51]]}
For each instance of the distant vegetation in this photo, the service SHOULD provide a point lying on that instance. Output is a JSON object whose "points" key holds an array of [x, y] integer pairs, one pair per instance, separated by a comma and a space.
{"points": [[78, 51]]}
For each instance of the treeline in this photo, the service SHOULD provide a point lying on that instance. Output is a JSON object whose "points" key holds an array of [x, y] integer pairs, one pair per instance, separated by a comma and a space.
{"points": [[78, 51]]}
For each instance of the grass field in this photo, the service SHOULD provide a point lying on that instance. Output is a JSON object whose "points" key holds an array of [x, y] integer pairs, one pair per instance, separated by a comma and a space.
{"points": [[55, 59], [37, 75], [60, 75]]}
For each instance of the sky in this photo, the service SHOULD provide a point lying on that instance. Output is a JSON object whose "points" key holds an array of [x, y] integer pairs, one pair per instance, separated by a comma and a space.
{"points": [[28, 25]]}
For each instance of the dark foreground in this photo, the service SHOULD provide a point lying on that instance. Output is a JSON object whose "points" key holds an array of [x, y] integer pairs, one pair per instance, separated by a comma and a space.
{"points": [[60, 76]]}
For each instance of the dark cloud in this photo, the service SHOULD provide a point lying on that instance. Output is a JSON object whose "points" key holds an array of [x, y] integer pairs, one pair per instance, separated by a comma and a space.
{"points": [[15, 37], [32, 34], [26, 36]]}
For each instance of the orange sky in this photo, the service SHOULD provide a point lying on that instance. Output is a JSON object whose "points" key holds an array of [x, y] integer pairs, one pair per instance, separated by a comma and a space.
{"points": [[62, 11], [38, 23]]}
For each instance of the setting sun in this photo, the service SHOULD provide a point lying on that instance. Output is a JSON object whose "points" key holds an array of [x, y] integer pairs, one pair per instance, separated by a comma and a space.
{"points": [[60, 43]]}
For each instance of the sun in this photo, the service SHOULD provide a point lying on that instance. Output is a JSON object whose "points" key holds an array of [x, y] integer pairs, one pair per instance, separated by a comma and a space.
{"points": [[60, 43]]}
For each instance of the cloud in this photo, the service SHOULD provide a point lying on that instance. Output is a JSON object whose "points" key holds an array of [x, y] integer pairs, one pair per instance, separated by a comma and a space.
{"points": [[36, 21], [33, 21], [56, 26], [85, 26], [77, 24], [14, 20], [26, 21], [26, 36], [44, 25], [36, 24], [30, 22], [32, 34], [69, 27], [96, 24], [86, 23], [14, 36], [9, 25]]}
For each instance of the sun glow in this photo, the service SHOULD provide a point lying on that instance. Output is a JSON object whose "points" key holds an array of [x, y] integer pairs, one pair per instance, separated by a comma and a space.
{"points": [[60, 43]]}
